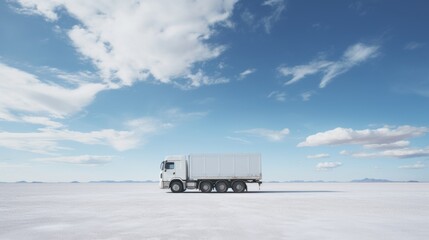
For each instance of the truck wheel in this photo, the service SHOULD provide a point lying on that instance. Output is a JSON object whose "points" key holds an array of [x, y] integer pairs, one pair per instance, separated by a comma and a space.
{"points": [[176, 187], [206, 187], [239, 186], [221, 187]]}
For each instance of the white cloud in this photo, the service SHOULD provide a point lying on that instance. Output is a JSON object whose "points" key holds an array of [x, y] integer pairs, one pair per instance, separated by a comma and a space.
{"points": [[236, 139], [317, 156], [393, 153], [301, 71], [247, 72], [90, 160], [144, 127], [327, 165], [307, 95], [248, 17], [199, 78], [354, 55], [132, 40], [178, 115], [413, 45], [42, 121], [147, 125], [45, 8], [271, 135], [278, 7], [387, 141], [255, 21], [49, 140], [384, 135], [205, 101], [358, 6], [46, 141], [359, 52], [384, 146], [344, 152], [26, 98], [5, 165], [278, 96], [76, 78], [417, 165]]}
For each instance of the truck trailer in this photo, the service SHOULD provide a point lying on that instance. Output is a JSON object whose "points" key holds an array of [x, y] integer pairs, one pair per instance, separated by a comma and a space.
{"points": [[210, 171]]}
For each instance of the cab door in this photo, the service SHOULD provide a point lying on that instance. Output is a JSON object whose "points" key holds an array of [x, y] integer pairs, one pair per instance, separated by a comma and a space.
{"points": [[169, 170]]}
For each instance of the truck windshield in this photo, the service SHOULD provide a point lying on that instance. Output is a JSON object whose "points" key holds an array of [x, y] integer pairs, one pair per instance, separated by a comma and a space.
{"points": [[162, 166]]}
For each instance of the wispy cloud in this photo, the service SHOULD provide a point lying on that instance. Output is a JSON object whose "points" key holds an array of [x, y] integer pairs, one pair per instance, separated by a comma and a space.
{"points": [[266, 22], [278, 96], [246, 73], [317, 156], [301, 71], [47, 141], [135, 133], [358, 7], [271, 135], [110, 35], [199, 79], [248, 17], [413, 45], [353, 56], [278, 7], [393, 153], [307, 95], [89, 160], [27, 99], [12, 165], [319, 26], [323, 166], [239, 140], [385, 146], [178, 115], [205, 101], [147, 125], [417, 165], [44, 121]]}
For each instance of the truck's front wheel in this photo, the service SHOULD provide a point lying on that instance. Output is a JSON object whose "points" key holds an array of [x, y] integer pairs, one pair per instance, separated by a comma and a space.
{"points": [[206, 187], [176, 187]]}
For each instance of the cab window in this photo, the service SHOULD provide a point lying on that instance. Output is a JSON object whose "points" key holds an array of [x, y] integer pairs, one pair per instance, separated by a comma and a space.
{"points": [[169, 165]]}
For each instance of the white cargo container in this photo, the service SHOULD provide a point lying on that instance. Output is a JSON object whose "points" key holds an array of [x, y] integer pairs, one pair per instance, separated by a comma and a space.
{"points": [[210, 171]]}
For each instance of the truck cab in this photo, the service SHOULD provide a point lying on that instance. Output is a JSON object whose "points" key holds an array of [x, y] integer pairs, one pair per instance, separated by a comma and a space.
{"points": [[173, 168]]}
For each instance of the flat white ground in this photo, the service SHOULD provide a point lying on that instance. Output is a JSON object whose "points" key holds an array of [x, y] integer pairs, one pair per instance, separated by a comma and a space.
{"points": [[278, 211]]}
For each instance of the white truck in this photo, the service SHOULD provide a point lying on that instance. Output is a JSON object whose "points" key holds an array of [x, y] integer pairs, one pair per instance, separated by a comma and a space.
{"points": [[210, 171]]}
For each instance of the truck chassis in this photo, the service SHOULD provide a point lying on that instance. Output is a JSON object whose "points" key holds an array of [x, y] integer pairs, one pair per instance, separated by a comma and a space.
{"points": [[208, 185]]}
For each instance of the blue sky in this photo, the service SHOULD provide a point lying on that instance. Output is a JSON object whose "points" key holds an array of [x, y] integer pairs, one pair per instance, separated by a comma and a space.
{"points": [[325, 90]]}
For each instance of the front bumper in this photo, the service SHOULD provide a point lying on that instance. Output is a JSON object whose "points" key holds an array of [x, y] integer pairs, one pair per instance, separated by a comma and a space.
{"points": [[164, 184]]}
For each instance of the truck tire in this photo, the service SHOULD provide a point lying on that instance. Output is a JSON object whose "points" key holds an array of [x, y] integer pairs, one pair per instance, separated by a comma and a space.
{"points": [[176, 187], [221, 187], [239, 186], [206, 187]]}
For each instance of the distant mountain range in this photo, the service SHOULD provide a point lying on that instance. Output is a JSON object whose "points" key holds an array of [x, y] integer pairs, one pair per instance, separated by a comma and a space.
{"points": [[371, 180]]}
